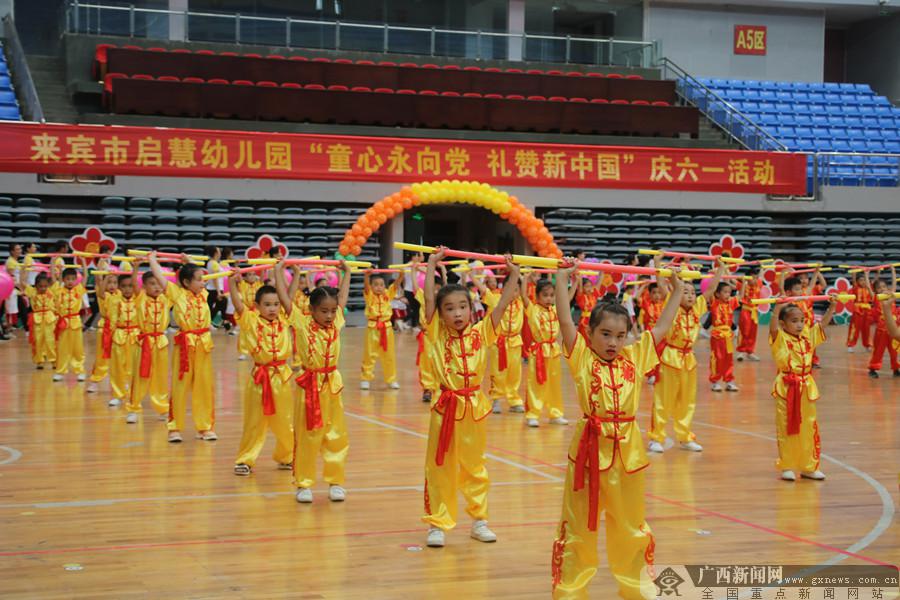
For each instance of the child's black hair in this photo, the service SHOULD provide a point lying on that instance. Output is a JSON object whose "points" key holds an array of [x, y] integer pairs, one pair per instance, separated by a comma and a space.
{"points": [[786, 308], [69, 271], [211, 250], [147, 276], [753, 270], [12, 246], [652, 286], [643, 260], [274, 252], [124, 277], [42, 277], [378, 276], [609, 297], [227, 252], [722, 285], [791, 282], [321, 293], [262, 291], [470, 285], [541, 285], [860, 276], [876, 283], [448, 289], [604, 308], [62, 245], [186, 274]]}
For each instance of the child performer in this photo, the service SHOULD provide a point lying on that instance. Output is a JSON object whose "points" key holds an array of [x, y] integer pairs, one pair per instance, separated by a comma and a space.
{"points": [[193, 351], [13, 267], [121, 310], [748, 321], [586, 298], [106, 287], [793, 341], [506, 356], [457, 435], [882, 339], [215, 288], [721, 339], [606, 455], [427, 378], [379, 340], [269, 394], [151, 377], [891, 319], [319, 426], [861, 320], [675, 394], [544, 369], [69, 339], [42, 318], [247, 286]]}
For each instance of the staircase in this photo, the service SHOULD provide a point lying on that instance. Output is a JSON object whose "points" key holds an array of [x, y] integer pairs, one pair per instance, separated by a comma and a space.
{"points": [[49, 75], [713, 136]]}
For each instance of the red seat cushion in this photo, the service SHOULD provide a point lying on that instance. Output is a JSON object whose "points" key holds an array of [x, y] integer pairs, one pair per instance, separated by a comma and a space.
{"points": [[108, 79], [575, 74], [596, 74], [599, 101], [471, 68], [471, 95], [300, 58], [660, 103], [450, 94], [204, 52], [514, 71], [384, 91], [241, 82], [430, 66], [291, 85], [343, 61], [321, 59], [542, 98], [338, 88], [633, 77], [167, 78], [182, 51], [365, 62], [275, 57], [266, 84], [157, 49], [619, 102], [558, 99], [534, 72], [577, 99], [428, 93], [360, 88], [193, 80], [142, 76], [554, 72], [614, 76], [407, 92], [409, 65], [494, 96], [640, 102], [218, 81], [493, 70], [130, 47], [228, 53], [515, 97], [452, 68], [386, 63], [252, 55], [314, 86]]}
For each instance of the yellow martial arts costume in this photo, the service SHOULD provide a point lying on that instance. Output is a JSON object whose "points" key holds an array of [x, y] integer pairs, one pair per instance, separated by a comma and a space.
{"points": [[151, 371], [379, 341], [545, 367], [301, 303], [121, 313], [795, 394], [506, 356], [427, 378], [41, 325], [103, 353], [191, 361], [457, 435], [605, 473], [269, 394], [675, 392], [248, 290], [319, 426], [69, 339]]}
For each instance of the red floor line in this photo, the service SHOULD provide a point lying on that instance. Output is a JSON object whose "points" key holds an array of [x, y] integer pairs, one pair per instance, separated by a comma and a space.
{"points": [[704, 511]]}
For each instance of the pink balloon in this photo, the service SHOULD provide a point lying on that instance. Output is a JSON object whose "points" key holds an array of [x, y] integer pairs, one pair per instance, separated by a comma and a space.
{"points": [[420, 277], [6, 285], [704, 283], [330, 277], [288, 277]]}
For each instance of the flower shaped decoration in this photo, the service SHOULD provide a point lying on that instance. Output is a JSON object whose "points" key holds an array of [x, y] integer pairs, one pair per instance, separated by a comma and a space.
{"points": [[93, 240], [841, 285], [764, 292], [727, 246], [264, 244], [609, 283], [770, 277]]}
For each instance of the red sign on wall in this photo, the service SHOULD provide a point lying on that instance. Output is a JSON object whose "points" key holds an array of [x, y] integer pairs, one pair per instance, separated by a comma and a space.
{"points": [[750, 39]]}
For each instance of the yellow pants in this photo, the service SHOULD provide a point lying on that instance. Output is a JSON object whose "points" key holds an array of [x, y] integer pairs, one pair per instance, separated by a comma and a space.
{"points": [[629, 541], [156, 385], [799, 452], [675, 397], [44, 349], [505, 384], [101, 365], [331, 440], [463, 468], [372, 352], [550, 393], [198, 382], [256, 423], [120, 372], [70, 352]]}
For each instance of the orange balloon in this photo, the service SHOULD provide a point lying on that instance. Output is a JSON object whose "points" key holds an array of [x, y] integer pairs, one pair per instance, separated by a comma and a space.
{"points": [[366, 231], [356, 250], [533, 230], [381, 218], [542, 244], [356, 229], [406, 201], [539, 222]]}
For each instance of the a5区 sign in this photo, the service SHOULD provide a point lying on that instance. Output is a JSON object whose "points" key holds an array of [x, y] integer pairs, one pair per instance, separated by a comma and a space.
{"points": [[750, 39]]}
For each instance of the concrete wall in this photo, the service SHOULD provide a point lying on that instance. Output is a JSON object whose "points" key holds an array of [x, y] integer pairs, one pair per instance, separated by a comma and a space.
{"points": [[873, 55], [701, 40]]}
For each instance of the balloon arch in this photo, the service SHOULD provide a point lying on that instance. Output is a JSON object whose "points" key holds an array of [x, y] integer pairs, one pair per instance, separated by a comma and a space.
{"points": [[500, 203]]}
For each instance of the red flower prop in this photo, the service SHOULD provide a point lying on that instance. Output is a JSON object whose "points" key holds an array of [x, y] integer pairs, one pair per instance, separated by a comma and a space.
{"points": [[263, 245], [93, 240], [764, 292], [770, 277], [841, 285], [728, 247], [610, 283]]}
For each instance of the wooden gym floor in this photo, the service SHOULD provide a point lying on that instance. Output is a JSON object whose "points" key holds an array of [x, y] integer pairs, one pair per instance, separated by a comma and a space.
{"points": [[91, 507]]}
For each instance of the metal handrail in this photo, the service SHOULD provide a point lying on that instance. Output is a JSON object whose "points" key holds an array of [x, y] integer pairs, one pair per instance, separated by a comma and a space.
{"points": [[21, 74], [731, 111], [73, 24]]}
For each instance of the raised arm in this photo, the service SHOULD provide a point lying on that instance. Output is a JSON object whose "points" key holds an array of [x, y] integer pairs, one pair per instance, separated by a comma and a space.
{"points": [[157, 270], [523, 289], [829, 313], [893, 279], [773, 320], [366, 282], [667, 316], [714, 282], [572, 289], [344, 289], [509, 292], [566, 325], [821, 279], [889, 320], [280, 287], [235, 292], [295, 281], [433, 261]]}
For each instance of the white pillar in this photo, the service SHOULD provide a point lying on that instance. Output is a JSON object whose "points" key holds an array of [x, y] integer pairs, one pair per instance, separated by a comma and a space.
{"points": [[178, 22], [390, 232], [515, 23]]}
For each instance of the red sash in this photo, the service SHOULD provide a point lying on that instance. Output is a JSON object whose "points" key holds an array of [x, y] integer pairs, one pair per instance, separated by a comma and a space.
{"points": [[146, 353], [381, 326], [447, 407], [62, 323], [795, 382], [310, 384], [421, 339], [261, 377], [587, 457], [540, 362], [502, 361], [184, 363], [106, 336]]}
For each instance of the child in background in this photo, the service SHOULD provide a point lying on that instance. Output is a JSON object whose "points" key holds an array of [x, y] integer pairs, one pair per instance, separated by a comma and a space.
{"points": [[882, 338], [106, 287], [319, 426], [215, 295], [227, 261], [793, 341], [748, 321], [427, 377], [606, 457], [398, 311], [13, 267], [121, 311], [151, 377], [721, 340], [379, 340], [478, 306], [247, 285], [586, 298], [861, 320], [69, 338], [889, 313], [42, 318]]}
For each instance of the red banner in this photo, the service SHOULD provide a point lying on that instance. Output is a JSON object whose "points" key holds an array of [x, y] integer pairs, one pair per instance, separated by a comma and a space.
{"points": [[750, 39], [149, 151]]}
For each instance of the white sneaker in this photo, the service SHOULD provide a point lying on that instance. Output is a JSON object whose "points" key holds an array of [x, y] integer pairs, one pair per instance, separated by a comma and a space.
{"points": [[435, 538], [232, 332], [163, 417], [496, 408], [691, 446], [174, 437], [482, 533], [740, 356], [91, 388], [817, 475], [559, 421], [731, 387], [337, 494], [850, 350], [394, 386], [81, 377], [131, 418], [517, 409], [114, 402], [753, 357], [532, 422], [704, 333], [651, 380], [363, 385], [208, 436], [304, 496], [242, 357], [716, 387], [655, 447], [57, 377], [788, 475]]}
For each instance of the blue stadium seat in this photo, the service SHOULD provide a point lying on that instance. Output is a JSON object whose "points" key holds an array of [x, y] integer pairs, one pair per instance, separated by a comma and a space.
{"points": [[7, 97], [9, 113], [857, 146], [767, 95], [852, 121], [4, 70], [817, 97]]}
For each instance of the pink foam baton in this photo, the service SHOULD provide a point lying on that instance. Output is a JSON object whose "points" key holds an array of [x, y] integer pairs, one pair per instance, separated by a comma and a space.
{"points": [[383, 270], [820, 298], [690, 255]]}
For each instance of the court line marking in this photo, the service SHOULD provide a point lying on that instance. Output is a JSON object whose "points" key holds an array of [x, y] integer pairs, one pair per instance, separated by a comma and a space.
{"points": [[14, 455]]}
